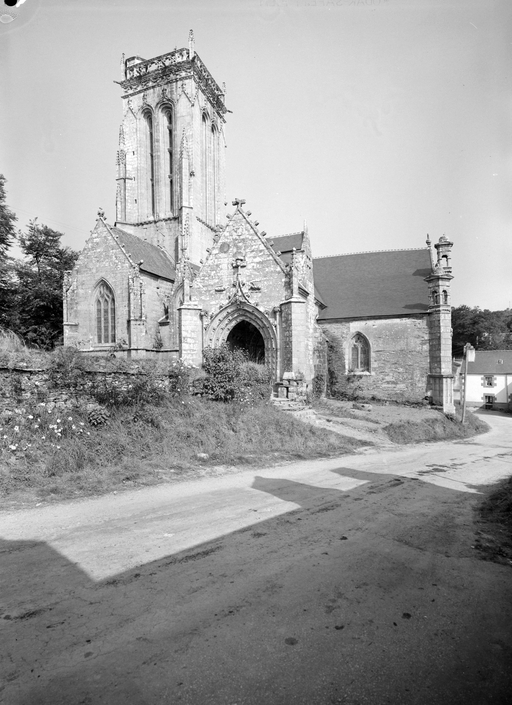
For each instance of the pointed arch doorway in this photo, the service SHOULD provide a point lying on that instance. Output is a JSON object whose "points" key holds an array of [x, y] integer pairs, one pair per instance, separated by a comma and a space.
{"points": [[242, 325], [245, 336]]}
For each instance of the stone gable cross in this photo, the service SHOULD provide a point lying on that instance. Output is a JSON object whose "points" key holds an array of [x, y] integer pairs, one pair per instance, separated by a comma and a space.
{"points": [[238, 202]]}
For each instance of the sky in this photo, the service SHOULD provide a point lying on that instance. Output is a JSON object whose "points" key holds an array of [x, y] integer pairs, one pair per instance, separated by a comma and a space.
{"points": [[373, 121]]}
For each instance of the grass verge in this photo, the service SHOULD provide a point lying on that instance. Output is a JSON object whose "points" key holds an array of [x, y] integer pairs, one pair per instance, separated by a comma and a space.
{"points": [[435, 429], [55, 454], [494, 535]]}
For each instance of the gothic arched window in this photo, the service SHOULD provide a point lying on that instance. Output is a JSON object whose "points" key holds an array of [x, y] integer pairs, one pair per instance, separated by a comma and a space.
{"points": [[105, 307], [359, 354], [170, 157], [206, 168], [215, 170], [150, 161]]}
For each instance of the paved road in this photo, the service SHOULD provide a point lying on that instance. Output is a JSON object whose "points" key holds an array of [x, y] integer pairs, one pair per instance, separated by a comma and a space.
{"points": [[350, 580]]}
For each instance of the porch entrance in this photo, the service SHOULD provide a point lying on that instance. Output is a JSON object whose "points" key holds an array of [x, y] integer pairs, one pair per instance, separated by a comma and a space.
{"points": [[245, 336]]}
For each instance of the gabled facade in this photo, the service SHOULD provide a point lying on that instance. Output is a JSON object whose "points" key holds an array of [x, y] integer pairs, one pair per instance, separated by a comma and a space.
{"points": [[172, 276], [489, 380]]}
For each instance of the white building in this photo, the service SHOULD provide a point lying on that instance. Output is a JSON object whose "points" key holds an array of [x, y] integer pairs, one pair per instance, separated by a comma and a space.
{"points": [[489, 380]]}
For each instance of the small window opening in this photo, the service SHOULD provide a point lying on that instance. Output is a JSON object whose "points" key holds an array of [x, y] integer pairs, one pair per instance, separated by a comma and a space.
{"points": [[360, 354]]}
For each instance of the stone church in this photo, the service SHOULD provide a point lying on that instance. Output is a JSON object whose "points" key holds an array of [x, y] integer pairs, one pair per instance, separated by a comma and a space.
{"points": [[175, 273]]}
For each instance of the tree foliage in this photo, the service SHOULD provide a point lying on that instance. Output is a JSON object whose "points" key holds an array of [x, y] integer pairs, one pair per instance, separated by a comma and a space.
{"points": [[7, 236], [31, 288], [7, 220], [38, 305], [484, 329], [231, 376]]}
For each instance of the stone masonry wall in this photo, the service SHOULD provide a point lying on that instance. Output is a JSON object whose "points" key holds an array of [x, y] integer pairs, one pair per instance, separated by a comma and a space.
{"points": [[262, 277], [26, 385], [399, 355], [80, 316], [100, 253]]}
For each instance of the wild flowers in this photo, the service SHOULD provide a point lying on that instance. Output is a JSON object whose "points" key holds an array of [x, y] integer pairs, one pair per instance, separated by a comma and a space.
{"points": [[44, 426]]}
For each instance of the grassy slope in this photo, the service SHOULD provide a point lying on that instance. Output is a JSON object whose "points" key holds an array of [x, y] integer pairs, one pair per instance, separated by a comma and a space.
{"points": [[59, 454], [435, 429]]}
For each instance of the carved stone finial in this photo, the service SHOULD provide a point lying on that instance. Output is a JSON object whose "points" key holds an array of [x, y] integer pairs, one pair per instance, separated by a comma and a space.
{"points": [[101, 213], [238, 202], [191, 43]]}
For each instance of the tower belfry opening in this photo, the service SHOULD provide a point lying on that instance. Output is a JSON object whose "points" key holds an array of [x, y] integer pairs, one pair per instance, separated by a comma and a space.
{"points": [[245, 336]]}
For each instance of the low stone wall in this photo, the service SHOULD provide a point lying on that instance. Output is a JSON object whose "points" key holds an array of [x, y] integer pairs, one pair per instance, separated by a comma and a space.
{"points": [[24, 384]]}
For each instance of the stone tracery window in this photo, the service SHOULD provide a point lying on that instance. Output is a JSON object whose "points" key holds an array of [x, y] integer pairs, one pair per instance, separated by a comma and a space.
{"points": [[105, 307], [206, 163], [359, 353], [170, 156], [150, 156]]}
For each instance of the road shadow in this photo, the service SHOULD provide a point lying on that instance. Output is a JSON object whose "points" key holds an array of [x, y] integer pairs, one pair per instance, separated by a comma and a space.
{"points": [[296, 492], [207, 625]]}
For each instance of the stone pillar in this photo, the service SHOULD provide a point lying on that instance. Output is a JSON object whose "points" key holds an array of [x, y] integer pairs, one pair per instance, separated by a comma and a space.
{"points": [[440, 378], [191, 333], [293, 339], [137, 338]]}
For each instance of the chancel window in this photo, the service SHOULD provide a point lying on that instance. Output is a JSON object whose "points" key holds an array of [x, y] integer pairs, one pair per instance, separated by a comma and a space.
{"points": [[206, 139], [150, 161], [170, 159], [360, 354], [105, 314]]}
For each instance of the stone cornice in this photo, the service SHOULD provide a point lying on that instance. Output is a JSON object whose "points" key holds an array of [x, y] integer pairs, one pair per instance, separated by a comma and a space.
{"points": [[172, 67]]}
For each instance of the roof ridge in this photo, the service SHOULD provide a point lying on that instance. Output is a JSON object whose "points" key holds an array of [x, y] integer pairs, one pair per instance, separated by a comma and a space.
{"points": [[370, 252]]}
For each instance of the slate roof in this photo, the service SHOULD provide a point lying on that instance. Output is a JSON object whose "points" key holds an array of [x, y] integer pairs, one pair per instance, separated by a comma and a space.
{"points": [[486, 362], [155, 261], [373, 284], [286, 243]]}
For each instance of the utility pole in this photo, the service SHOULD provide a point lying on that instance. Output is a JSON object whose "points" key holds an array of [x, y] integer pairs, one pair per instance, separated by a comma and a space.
{"points": [[469, 356]]}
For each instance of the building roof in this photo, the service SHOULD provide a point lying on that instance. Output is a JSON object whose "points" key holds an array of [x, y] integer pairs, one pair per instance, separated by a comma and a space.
{"points": [[285, 244], [154, 260], [497, 362], [373, 284]]}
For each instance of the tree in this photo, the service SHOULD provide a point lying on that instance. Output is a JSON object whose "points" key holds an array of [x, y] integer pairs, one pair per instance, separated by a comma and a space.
{"points": [[485, 330], [38, 304], [7, 220], [7, 235]]}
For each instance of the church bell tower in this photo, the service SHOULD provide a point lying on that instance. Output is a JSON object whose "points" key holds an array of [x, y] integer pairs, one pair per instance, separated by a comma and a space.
{"points": [[170, 161]]}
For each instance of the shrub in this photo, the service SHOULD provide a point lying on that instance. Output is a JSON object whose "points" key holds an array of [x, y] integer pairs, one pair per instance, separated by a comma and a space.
{"points": [[255, 383], [66, 370], [179, 376], [318, 385], [222, 367], [230, 376]]}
